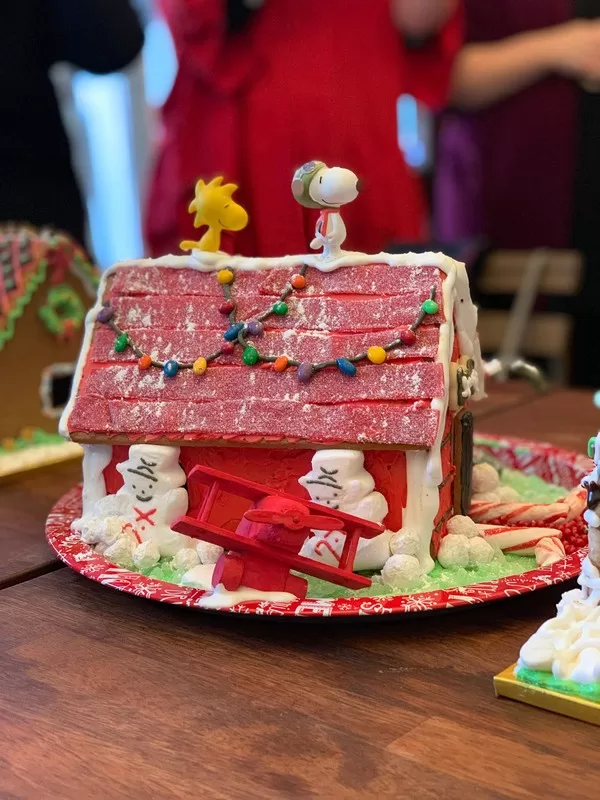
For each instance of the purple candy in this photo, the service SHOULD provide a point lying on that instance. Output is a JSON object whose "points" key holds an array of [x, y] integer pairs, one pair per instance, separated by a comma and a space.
{"points": [[105, 315], [254, 327], [305, 371]]}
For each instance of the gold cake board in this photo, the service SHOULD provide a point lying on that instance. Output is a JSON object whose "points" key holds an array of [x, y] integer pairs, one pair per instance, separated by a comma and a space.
{"points": [[507, 685]]}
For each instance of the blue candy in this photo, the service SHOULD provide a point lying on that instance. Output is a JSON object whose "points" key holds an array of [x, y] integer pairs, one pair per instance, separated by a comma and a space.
{"points": [[345, 366]]}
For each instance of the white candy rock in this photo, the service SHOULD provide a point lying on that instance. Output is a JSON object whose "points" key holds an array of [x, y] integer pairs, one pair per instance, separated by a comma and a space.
{"points": [[121, 552], [187, 558], [405, 542], [484, 478], [507, 494], [462, 526], [90, 530], [480, 551], [454, 551], [146, 554], [111, 529], [485, 497], [208, 553], [400, 571]]}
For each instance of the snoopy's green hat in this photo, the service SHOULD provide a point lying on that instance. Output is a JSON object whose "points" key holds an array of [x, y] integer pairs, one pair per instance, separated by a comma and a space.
{"points": [[302, 180]]}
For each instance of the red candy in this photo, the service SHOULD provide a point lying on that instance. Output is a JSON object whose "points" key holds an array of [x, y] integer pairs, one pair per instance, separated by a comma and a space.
{"points": [[227, 307], [408, 337]]}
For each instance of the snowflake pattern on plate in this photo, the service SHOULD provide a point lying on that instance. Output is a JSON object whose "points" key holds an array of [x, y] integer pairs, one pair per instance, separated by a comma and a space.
{"points": [[550, 463]]}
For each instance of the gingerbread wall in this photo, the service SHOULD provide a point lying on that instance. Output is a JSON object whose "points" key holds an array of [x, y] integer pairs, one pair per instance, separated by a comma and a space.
{"points": [[22, 359]]}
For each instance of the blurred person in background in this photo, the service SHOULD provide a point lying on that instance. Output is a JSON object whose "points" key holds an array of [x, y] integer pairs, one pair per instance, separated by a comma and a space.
{"points": [[37, 181], [265, 86], [519, 76], [522, 166]]}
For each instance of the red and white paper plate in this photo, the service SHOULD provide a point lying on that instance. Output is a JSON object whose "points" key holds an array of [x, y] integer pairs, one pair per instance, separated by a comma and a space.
{"points": [[550, 463]]}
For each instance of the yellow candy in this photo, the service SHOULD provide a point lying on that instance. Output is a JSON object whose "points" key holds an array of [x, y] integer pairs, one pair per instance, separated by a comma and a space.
{"points": [[200, 365], [225, 276], [376, 355]]}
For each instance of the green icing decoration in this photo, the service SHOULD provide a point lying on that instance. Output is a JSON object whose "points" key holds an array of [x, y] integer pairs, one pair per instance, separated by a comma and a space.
{"points": [[37, 437], [438, 578], [63, 306], [83, 270], [546, 680], [531, 488], [21, 303]]}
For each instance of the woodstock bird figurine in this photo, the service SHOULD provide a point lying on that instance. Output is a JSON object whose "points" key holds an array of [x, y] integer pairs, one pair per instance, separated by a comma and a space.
{"points": [[214, 207], [315, 185]]}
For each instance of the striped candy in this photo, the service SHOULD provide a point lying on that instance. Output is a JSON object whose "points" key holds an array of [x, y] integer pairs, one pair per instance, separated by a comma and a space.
{"points": [[548, 551], [520, 541], [553, 515]]}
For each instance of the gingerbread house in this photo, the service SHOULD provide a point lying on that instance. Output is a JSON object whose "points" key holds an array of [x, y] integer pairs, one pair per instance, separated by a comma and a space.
{"points": [[252, 365], [46, 282]]}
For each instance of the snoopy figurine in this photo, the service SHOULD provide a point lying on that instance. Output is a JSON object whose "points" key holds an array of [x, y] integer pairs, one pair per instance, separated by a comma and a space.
{"points": [[315, 185]]}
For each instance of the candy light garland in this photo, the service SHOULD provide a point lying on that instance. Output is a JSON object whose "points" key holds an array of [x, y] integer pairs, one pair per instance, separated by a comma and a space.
{"points": [[237, 332]]}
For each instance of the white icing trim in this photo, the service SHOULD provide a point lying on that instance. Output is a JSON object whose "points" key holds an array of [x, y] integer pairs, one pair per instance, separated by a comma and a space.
{"points": [[96, 457], [212, 262], [222, 598], [456, 286], [568, 645], [59, 370]]}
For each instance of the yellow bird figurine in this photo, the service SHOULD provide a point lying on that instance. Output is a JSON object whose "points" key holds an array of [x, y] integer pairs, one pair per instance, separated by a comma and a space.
{"points": [[214, 207]]}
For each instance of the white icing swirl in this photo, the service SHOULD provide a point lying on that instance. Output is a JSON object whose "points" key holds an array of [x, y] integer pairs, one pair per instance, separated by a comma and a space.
{"points": [[569, 645]]}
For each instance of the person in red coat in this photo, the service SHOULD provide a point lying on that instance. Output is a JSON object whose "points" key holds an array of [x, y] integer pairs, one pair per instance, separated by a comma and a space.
{"points": [[265, 86]]}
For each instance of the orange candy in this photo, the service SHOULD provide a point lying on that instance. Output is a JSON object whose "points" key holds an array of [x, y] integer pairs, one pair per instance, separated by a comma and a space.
{"points": [[298, 281], [145, 362], [280, 364]]}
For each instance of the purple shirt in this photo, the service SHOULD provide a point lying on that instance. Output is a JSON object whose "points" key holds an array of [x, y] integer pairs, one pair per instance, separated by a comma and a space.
{"points": [[511, 167]]}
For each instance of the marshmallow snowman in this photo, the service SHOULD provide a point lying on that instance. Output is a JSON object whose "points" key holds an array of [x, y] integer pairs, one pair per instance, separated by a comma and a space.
{"points": [[339, 480], [152, 496], [315, 185], [143, 509]]}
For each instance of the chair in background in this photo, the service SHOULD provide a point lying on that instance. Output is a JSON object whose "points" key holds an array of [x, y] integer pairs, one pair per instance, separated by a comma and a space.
{"points": [[525, 312]]}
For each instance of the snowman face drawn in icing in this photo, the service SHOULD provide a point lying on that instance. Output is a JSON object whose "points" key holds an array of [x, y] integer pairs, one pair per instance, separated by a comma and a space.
{"points": [[144, 486], [325, 488]]}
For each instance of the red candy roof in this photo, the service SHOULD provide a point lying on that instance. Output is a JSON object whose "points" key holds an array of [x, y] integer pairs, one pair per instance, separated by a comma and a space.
{"points": [[173, 313]]}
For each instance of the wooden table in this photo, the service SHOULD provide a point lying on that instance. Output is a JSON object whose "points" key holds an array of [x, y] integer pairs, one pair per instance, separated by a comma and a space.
{"points": [[106, 695]]}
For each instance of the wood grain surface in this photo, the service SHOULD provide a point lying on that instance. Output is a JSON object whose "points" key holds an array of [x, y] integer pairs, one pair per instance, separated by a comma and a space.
{"points": [[110, 696], [24, 505]]}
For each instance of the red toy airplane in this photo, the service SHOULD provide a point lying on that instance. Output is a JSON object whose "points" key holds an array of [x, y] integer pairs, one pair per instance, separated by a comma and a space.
{"points": [[265, 545]]}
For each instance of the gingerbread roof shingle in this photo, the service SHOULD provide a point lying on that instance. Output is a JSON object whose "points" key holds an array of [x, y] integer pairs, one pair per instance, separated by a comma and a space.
{"points": [[170, 309]]}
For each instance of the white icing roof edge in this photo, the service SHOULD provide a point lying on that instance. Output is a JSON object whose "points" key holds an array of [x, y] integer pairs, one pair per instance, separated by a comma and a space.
{"points": [[210, 262], [463, 306]]}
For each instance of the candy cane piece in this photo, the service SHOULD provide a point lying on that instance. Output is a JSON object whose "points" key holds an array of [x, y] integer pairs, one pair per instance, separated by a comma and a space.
{"points": [[553, 515], [520, 541], [548, 551]]}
